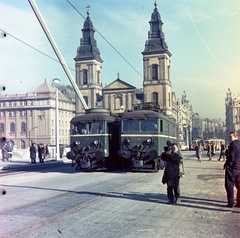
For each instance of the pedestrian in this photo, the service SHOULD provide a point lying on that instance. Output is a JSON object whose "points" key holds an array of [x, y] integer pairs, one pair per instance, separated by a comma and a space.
{"points": [[199, 150], [4, 153], [33, 153], [10, 150], [171, 177], [232, 169], [41, 153], [209, 151], [46, 151], [222, 152], [61, 151], [213, 149]]}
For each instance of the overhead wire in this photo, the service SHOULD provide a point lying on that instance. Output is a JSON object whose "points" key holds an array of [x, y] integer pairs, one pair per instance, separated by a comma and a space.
{"points": [[32, 47], [206, 46]]}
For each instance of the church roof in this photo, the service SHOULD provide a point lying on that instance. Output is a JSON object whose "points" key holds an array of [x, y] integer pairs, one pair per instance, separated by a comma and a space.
{"points": [[88, 49], [156, 39], [119, 84]]}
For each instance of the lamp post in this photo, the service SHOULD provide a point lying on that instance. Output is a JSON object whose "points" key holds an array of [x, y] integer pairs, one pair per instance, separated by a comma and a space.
{"points": [[56, 80], [29, 134]]}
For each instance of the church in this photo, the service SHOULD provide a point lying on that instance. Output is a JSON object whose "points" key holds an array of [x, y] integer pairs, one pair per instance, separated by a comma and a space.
{"points": [[30, 117]]}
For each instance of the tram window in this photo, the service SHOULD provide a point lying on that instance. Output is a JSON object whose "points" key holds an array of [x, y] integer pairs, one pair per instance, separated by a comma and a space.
{"points": [[96, 127], [82, 128], [149, 125], [131, 125], [161, 125]]}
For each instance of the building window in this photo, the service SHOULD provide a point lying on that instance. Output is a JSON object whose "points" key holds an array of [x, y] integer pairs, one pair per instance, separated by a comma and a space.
{"points": [[12, 114], [85, 99], [98, 76], [85, 77], [2, 114], [155, 97], [155, 72], [1, 128], [23, 144], [23, 127], [118, 102], [12, 128]]}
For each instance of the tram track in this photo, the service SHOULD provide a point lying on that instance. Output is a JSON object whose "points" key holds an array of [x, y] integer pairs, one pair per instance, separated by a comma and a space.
{"points": [[88, 196]]}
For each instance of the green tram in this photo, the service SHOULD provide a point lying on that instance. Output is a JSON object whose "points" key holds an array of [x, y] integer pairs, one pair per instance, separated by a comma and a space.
{"points": [[95, 140], [144, 136]]}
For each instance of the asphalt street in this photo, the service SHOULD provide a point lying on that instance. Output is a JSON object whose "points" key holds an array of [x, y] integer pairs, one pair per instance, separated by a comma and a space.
{"points": [[57, 201]]}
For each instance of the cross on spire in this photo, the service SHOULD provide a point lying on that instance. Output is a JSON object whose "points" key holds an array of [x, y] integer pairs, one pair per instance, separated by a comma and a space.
{"points": [[118, 75], [155, 4], [88, 7]]}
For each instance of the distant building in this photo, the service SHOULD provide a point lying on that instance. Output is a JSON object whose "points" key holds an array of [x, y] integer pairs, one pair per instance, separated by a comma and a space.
{"points": [[232, 104], [30, 117]]}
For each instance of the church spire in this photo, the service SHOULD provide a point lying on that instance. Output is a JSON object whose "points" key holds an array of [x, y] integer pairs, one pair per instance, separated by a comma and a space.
{"points": [[156, 38], [88, 45]]}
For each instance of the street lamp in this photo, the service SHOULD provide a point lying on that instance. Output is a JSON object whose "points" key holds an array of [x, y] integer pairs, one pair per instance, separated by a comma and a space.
{"points": [[29, 134], [56, 80]]}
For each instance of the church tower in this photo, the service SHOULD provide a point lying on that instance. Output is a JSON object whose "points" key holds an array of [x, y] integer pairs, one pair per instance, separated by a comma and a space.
{"points": [[157, 86], [88, 67]]}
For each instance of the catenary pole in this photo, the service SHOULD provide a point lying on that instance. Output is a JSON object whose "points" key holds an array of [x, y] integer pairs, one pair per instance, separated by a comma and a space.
{"points": [[57, 52]]}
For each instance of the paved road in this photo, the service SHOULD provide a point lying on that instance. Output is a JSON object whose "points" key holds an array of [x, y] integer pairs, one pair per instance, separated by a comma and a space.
{"points": [[59, 202]]}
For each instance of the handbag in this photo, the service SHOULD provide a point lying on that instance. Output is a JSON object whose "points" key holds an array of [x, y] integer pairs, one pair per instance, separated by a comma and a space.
{"points": [[181, 171]]}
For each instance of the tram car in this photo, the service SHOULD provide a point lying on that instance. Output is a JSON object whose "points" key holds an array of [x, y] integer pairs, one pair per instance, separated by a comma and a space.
{"points": [[94, 140], [145, 133]]}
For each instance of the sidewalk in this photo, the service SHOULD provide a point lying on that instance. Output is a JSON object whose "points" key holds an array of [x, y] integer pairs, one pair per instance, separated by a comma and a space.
{"points": [[17, 162]]}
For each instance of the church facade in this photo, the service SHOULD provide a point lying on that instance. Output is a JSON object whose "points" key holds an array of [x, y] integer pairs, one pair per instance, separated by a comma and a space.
{"points": [[30, 117]]}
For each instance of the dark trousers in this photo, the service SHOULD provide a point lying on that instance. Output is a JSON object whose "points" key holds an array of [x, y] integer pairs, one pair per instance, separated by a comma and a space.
{"points": [[173, 191], [232, 177]]}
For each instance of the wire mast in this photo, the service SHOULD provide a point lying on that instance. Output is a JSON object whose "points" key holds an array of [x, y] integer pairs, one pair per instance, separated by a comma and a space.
{"points": [[57, 52]]}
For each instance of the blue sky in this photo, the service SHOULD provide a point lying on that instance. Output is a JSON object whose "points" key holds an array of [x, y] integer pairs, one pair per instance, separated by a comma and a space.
{"points": [[203, 37]]}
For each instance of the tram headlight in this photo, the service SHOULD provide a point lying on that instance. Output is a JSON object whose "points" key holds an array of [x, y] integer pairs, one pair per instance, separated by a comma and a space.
{"points": [[149, 141], [127, 141]]}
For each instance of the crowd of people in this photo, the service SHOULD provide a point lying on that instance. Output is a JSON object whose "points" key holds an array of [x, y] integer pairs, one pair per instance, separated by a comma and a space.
{"points": [[40, 150], [211, 151]]}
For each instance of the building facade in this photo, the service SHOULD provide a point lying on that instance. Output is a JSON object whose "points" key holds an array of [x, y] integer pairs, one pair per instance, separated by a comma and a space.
{"points": [[30, 117], [232, 107]]}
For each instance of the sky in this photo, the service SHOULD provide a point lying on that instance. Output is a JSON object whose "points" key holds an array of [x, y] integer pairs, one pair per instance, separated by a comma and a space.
{"points": [[202, 36]]}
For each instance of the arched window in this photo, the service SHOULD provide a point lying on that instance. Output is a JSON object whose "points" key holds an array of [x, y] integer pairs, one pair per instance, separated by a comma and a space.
{"points": [[85, 77], [12, 128], [118, 101], [154, 72], [98, 76], [155, 97], [1, 128], [23, 144], [23, 127]]}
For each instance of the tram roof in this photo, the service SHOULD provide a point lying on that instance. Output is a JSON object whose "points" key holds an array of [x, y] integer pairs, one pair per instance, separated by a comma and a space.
{"points": [[143, 114], [93, 117]]}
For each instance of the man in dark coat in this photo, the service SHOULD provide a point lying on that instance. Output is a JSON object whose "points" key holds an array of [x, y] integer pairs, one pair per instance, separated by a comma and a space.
{"points": [[232, 169], [33, 153], [199, 150], [41, 153], [222, 152], [171, 173], [209, 151]]}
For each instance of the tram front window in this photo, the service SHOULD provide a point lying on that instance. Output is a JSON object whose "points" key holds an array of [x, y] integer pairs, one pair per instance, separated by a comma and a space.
{"points": [[149, 125], [130, 126]]}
